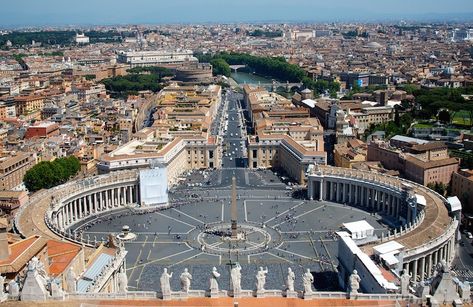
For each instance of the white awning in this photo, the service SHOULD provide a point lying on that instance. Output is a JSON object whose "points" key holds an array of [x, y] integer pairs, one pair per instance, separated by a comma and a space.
{"points": [[358, 226], [455, 204], [421, 200], [359, 229], [389, 259], [388, 247], [309, 102]]}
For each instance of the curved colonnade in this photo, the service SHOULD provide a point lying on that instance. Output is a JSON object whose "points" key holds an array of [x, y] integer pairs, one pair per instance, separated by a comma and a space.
{"points": [[76, 201], [424, 226], [427, 232]]}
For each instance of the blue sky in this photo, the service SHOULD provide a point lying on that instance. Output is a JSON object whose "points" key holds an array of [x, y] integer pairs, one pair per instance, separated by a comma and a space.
{"points": [[66, 12]]}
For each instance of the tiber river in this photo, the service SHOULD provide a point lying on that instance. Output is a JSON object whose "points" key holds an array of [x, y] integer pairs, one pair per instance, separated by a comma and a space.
{"points": [[243, 77]]}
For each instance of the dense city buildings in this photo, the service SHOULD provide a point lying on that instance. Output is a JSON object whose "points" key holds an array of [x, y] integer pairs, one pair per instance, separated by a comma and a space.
{"points": [[335, 157], [154, 58], [179, 138], [13, 167], [420, 161]]}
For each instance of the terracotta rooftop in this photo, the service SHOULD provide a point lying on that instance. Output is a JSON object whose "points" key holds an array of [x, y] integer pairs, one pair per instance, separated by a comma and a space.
{"points": [[20, 253], [60, 255], [429, 146], [431, 163]]}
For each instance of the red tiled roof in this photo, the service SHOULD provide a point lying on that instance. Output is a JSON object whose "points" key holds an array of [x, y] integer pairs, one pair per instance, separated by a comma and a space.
{"points": [[60, 255]]}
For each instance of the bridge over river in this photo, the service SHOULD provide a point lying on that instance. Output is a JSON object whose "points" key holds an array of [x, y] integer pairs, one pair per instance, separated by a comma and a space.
{"points": [[242, 78]]}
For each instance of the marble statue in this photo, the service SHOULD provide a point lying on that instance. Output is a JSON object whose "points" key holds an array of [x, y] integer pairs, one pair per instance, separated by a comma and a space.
{"points": [[185, 278], [261, 279], [442, 286], [165, 282], [213, 280], [354, 283], [235, 275], [13, 288], [405, 279], [41, 270], [122, 282], [56, 290], [291, 277], [442, 267], [71, 281], [308, 280], [34, 285]]}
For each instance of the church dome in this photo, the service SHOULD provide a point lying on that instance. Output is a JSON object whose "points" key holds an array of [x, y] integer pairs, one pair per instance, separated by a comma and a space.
{"points": [[373, 45]]}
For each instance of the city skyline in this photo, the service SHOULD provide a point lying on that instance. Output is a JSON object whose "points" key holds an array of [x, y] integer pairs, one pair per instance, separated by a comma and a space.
{"points": [[108, 12], [212, 152]]}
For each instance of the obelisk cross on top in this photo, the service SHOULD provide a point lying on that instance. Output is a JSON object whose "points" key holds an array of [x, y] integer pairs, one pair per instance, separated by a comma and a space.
{"points": [[234, 209]]}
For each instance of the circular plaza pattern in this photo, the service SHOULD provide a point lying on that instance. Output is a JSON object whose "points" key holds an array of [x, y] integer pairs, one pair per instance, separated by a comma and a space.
{"points": [[216, 239], [276, 232], [279, 231]]}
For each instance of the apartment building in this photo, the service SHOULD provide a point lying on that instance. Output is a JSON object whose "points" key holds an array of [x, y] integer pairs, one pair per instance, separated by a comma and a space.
{"points": [[28, 104], [285, 136], [179, 138], [282, 151], [158, 57], [348, 153], [423, 163], [462, 187], [42, 130], [13, 167], [178, 156]]}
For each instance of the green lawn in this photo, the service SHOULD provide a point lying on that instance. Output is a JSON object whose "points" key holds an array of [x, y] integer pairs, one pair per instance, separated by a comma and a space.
{"points": [[423, 125], [462, 118]]}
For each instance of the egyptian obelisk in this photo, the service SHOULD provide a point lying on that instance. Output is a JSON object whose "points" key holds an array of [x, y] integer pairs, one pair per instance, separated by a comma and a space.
{"points": [[234, 210]]}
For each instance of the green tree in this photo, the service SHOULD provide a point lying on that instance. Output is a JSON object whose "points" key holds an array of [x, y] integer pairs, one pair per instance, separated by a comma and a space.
{"points": [[220, 67], [438, 187], [444, 116], [45, 174], [138, 79]]}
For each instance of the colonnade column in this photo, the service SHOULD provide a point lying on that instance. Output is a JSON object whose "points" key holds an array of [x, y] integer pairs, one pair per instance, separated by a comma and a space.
{"points": [[103, 199], [112, 198], [329, 190], [379, 196], [321, 191], [356, 195], [452, 248], [96, 204], [120, 202], [63, 219], [422, 268], [59, 219], [369, 197], [86, 206], [338, 193], [74, 209], [69, 214], [414, 270], [429, 265], [385, 202]]}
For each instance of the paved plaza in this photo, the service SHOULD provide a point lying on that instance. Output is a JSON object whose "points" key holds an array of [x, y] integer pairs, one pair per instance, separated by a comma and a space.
{"points": [[280, 228], [280, 231]]}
